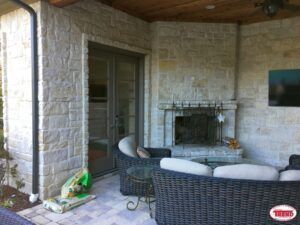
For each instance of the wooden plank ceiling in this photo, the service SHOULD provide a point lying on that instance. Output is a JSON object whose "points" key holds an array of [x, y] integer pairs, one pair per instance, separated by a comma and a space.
{"points": [[7, 6], [225, 11]]}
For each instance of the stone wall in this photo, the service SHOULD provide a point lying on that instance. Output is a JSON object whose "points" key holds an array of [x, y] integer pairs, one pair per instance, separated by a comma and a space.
{"points": [[183, 61], [65, 36], [16, 65], [269, 134], [190, 62]]}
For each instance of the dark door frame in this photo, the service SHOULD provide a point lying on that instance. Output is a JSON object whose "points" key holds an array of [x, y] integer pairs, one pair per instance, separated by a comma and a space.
{"points": [[140, 84], [139, 87]]}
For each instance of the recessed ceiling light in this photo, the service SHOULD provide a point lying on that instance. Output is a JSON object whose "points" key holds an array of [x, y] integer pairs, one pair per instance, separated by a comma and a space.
{"points": [[210, 7]]}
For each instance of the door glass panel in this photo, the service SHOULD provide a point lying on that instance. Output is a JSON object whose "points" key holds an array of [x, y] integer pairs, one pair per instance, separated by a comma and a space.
{"points": [[126, 106], [112, 105], [98, 111]]}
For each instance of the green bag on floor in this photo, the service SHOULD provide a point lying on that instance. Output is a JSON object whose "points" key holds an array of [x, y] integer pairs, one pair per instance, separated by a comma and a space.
{"points": [[61, 205], [80, 183]]}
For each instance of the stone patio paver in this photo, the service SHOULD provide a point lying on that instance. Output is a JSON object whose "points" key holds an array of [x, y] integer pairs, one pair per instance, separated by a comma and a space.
{"points": [[109, 208]]}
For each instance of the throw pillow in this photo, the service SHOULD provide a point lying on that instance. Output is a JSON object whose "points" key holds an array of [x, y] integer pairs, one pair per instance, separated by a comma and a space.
{"points": [[128, 146], [247, 171], [185, 166], [143, 153], [290, 175]]}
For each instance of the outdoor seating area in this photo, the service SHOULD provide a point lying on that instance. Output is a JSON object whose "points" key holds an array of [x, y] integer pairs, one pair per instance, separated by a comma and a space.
{"points": [[194, 199], [210, 200], [189, 192], [144, 112]]}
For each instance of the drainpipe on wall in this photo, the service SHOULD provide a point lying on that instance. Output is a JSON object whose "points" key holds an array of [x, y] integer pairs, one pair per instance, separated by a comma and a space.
{"points": [[34, 83]]}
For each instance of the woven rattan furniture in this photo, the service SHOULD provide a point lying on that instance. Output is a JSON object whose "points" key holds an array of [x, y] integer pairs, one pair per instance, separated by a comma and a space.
{"points": [[183, 199], [8, 217], [294, 163], [128, 187]]}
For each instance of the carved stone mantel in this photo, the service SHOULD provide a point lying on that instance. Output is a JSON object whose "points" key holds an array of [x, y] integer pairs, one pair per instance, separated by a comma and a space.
{"points": [[226, 105]]}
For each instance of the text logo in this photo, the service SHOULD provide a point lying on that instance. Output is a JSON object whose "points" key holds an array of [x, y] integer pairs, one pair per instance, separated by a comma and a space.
{"points": [[283, 213]]}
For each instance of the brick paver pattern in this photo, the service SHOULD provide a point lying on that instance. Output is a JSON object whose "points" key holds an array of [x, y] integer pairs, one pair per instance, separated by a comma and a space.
{"points": [[109, 208]]}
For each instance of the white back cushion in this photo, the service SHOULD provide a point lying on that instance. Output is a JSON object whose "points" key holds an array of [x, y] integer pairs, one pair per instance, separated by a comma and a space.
{"points": [[290, 175], [185, 166], [247, 171], [128, 146]]}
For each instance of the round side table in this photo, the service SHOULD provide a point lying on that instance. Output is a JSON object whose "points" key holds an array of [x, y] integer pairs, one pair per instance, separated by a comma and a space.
{"points": [[143, 175]]}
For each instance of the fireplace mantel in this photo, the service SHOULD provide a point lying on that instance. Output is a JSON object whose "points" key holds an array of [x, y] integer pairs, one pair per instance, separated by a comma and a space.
{"points": [[226, 105]]}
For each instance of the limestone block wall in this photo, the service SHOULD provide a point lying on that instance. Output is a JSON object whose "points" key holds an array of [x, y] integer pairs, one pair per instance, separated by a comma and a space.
{"points": [[183, 62], [16, 77], [266, 133], [190, 62], [65, 36]]}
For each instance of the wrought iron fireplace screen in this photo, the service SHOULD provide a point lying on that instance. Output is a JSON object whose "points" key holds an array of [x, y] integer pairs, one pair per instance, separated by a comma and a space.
{"points": [[196, 124]]}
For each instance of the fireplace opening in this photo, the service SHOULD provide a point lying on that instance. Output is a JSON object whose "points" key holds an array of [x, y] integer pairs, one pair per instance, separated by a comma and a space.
{"points": [[196, 129]]}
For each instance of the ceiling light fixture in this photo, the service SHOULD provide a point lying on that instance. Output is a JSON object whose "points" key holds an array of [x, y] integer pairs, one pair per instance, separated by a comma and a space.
{"points": [[210, 7]]}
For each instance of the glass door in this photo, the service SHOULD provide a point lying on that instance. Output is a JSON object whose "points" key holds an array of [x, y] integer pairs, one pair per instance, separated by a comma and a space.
{"points": [[113, 100], [126, 96], [100, 112]]}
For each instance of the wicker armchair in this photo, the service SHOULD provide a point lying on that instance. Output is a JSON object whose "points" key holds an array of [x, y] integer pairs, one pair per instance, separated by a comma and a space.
{"points": [[124, 162], [8, 217], [294, 163], [183, 199]]}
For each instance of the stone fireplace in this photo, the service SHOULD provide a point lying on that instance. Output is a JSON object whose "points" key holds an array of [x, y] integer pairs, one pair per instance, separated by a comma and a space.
{"points": [[192, 129]]}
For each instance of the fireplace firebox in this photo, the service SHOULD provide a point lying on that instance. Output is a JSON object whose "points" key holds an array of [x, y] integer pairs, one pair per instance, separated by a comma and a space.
{"points": [[197, 128]]}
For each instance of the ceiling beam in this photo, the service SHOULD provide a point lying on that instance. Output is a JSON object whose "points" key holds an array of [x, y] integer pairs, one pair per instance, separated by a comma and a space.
{"points": [[62, 3]]}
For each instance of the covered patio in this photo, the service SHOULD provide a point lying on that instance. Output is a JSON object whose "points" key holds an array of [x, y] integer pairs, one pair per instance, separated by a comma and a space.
{"points": [[180, 100]]}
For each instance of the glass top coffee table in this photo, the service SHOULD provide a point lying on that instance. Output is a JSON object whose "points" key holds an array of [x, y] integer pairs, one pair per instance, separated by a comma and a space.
{"points": [[142, 175], [214, 162]]}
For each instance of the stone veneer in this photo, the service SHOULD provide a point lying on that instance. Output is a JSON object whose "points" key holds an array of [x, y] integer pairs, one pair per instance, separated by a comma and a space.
{"points": [[190, 62], [63, 39], [183, 61], [266, 133], [16, 87]]}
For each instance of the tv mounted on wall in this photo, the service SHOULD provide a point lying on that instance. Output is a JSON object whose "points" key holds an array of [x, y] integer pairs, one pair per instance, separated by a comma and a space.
{"points": [[284, 87]]}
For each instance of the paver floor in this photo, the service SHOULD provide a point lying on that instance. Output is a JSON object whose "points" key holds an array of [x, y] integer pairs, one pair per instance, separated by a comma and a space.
{"points": [[109, 208]]}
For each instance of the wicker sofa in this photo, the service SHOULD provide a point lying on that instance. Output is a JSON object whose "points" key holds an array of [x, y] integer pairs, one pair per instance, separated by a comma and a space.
{"points": [[8, 217], [183, 199], [124, 162]]}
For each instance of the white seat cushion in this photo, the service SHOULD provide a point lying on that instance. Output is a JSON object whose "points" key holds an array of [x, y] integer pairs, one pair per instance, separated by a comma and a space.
{"points": [[185, 166], [247, 171], [290, 175], [128, 146]]}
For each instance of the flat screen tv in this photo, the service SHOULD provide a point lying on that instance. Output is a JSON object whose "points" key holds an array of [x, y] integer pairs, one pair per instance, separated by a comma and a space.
{"points": [[284, 87]]}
